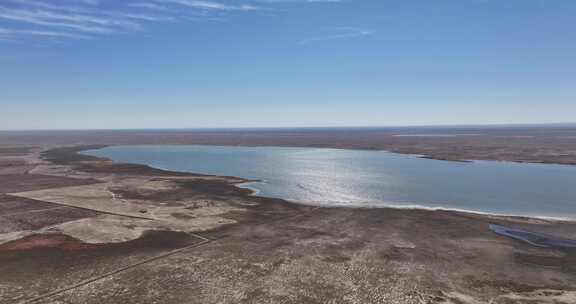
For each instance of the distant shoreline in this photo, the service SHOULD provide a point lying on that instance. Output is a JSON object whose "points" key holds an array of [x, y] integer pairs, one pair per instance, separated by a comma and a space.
{"points": [[544, 145], [245, 184]]}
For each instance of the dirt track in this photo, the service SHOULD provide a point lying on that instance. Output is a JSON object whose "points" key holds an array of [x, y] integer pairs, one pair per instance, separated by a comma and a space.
{"points": [[260, 250]]}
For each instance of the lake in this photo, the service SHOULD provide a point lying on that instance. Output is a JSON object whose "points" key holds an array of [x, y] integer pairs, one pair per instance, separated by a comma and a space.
{"points": [[356, 178]]}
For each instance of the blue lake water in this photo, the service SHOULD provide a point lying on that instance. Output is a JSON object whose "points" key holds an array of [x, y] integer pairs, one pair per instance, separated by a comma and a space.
{"points": [[356, 178]]}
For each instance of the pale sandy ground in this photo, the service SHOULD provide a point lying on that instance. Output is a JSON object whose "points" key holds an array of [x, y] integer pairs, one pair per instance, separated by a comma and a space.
{"points": [[326, 256], [123, 219], [127, 219]]}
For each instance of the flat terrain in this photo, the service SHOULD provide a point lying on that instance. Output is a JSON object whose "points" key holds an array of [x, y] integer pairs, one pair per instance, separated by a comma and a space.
{"points": [[540, 144], [78, 229], [22, 214]]}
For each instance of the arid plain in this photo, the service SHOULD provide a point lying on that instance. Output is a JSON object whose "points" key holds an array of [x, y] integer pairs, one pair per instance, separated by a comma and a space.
{"points": [[78, 229]]}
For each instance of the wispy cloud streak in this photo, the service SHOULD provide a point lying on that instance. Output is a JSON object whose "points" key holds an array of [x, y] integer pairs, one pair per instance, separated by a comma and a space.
{"points": [[211, 5], [81, 19], [339, 33], [10, 33]]}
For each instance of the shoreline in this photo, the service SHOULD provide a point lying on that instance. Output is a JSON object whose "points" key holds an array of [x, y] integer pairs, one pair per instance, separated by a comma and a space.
{"points": [[207, 232], [535, 144], [411, 154], [256, 192]]}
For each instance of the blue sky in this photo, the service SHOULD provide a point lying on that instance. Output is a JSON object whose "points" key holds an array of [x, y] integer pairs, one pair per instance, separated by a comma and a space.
{"points": [[69, 64]]}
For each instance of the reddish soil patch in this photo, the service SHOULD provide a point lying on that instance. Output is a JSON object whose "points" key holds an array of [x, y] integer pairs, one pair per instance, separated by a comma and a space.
{"points": [[15, 151], [40, 264], [151, 239], [17, 214], [39, 241], [9, 162], [564, 262], [12, 183], [12, 204]]}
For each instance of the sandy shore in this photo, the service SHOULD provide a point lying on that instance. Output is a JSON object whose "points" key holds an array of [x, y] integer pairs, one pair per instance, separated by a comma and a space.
{"points": [[78, 229]]}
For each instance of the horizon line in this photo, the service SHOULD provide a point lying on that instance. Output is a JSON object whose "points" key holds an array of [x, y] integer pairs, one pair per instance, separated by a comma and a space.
{"points": [[558, 124]]}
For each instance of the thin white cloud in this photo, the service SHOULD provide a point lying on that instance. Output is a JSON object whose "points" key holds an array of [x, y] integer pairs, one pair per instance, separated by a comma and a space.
{"points": [[151, 6], [39, 18], [10, 33], [211, 5], [339, 33], [91, 18], [301, 1]]}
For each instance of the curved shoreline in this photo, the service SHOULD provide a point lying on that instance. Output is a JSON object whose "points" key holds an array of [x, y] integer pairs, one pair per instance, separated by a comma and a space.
{"points": [[328, 253], [241, 181], [400, 153]]}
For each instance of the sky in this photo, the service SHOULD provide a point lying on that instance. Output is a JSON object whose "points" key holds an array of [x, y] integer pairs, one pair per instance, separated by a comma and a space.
{"points": [[106, 64]]}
